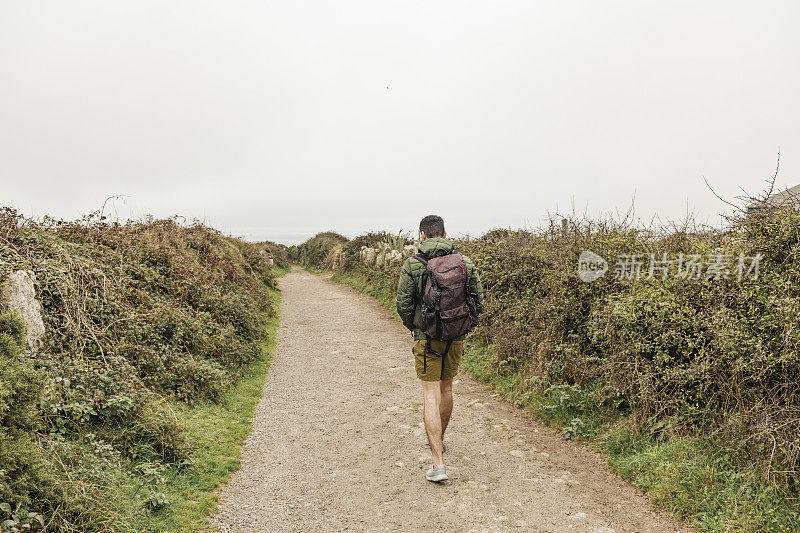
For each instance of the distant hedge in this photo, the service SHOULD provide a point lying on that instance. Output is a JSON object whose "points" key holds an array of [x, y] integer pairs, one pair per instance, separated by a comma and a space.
{"points": [[318, 251]]}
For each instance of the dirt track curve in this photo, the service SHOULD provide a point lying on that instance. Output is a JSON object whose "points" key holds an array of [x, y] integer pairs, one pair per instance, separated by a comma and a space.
{"points": [[338, 443]]}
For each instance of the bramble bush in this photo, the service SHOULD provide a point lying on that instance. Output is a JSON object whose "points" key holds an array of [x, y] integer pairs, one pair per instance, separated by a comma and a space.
{"points": [[712, 357], [137, 315]]}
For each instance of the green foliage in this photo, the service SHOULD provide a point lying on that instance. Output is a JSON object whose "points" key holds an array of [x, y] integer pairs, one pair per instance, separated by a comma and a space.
{"points": [[324, 249], [152, 476], [318, 251], [395, 242], [371, 240], [140, 317], [278, 252], [699, 479], [17, 520], [576, 428], [215, 432], [689, 355], [23, 470]]}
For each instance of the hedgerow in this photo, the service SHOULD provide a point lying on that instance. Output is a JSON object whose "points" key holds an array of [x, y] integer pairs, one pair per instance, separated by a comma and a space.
{"points": [[318, 250], [715, 359], [715, 356], [137, 315]]}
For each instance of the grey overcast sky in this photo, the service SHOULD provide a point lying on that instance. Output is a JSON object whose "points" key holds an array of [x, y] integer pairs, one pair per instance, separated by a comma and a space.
{"points": [[280, 119]]}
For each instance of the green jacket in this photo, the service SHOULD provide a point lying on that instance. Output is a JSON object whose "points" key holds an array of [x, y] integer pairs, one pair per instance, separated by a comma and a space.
{"points": [[409, 288]]}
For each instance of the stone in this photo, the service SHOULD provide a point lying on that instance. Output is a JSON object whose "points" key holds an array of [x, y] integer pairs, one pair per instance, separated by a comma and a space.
{"points": [[19, 294], [369, 256], [338, 259], [267, 257]]}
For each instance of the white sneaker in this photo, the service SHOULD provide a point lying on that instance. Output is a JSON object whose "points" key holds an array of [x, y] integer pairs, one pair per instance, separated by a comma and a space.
{"points": [[436, 473]]}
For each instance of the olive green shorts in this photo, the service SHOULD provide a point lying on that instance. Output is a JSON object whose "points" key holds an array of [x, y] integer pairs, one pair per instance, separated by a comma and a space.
{"points": [[432, 367]]}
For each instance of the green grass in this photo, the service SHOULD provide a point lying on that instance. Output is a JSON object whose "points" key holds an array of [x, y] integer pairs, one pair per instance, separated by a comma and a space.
{"points": [[216, 432], [281, 270], [312, 269], [698, 479], [692, 478], [385, 295]]}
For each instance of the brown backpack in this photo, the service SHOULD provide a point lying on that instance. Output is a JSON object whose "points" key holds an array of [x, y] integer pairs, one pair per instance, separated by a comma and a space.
{"points": [[448, 310]]}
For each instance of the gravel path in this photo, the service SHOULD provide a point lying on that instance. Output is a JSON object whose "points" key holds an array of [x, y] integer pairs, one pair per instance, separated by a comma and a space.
{"points": [[338, 442]]}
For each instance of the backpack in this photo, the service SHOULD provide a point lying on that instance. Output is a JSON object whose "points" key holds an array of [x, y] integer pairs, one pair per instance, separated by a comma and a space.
{"points": [[448, 310]]}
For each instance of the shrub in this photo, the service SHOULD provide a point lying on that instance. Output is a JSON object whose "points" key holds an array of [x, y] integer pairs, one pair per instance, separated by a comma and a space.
{"points": [[136, 315], [23, 470], [318, 251]]}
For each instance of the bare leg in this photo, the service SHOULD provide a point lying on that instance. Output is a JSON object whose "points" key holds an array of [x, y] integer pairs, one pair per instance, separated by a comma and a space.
{"points": [[432, 396], [446, 406]]}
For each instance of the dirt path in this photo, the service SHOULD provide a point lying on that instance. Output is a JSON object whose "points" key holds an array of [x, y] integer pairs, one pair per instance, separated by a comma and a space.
{"points": [[338, 443]]}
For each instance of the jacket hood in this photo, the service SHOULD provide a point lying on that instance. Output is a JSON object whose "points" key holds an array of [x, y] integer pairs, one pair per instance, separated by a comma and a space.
{"points": [[435, 247]]}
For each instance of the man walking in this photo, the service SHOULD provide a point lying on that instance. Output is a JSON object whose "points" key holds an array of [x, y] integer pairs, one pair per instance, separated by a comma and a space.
{"points": [[439, 298]]}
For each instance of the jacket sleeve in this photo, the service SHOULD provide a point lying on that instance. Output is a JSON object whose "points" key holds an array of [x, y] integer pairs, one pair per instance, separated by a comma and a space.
{"points": [[406, 296], [475, 287]]}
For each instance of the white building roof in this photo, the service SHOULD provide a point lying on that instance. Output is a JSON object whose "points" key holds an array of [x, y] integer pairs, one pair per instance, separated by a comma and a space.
{"points": [[791, 195]]}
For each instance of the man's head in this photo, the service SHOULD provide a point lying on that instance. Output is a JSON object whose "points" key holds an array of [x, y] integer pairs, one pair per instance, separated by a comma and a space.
{"points": [[432, 226]]}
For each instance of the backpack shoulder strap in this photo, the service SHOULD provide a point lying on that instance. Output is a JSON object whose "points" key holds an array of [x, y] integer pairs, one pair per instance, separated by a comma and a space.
{"points": [[422, 258]]}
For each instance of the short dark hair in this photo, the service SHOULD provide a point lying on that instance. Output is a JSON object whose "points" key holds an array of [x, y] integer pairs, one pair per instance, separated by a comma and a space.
{"points": [[432, 226]]}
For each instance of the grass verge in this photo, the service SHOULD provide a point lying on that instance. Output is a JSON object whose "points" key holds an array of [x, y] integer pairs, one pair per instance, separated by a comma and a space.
{"points": [[216, 432], [384, 295], [692, 478], [313, 270]]}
